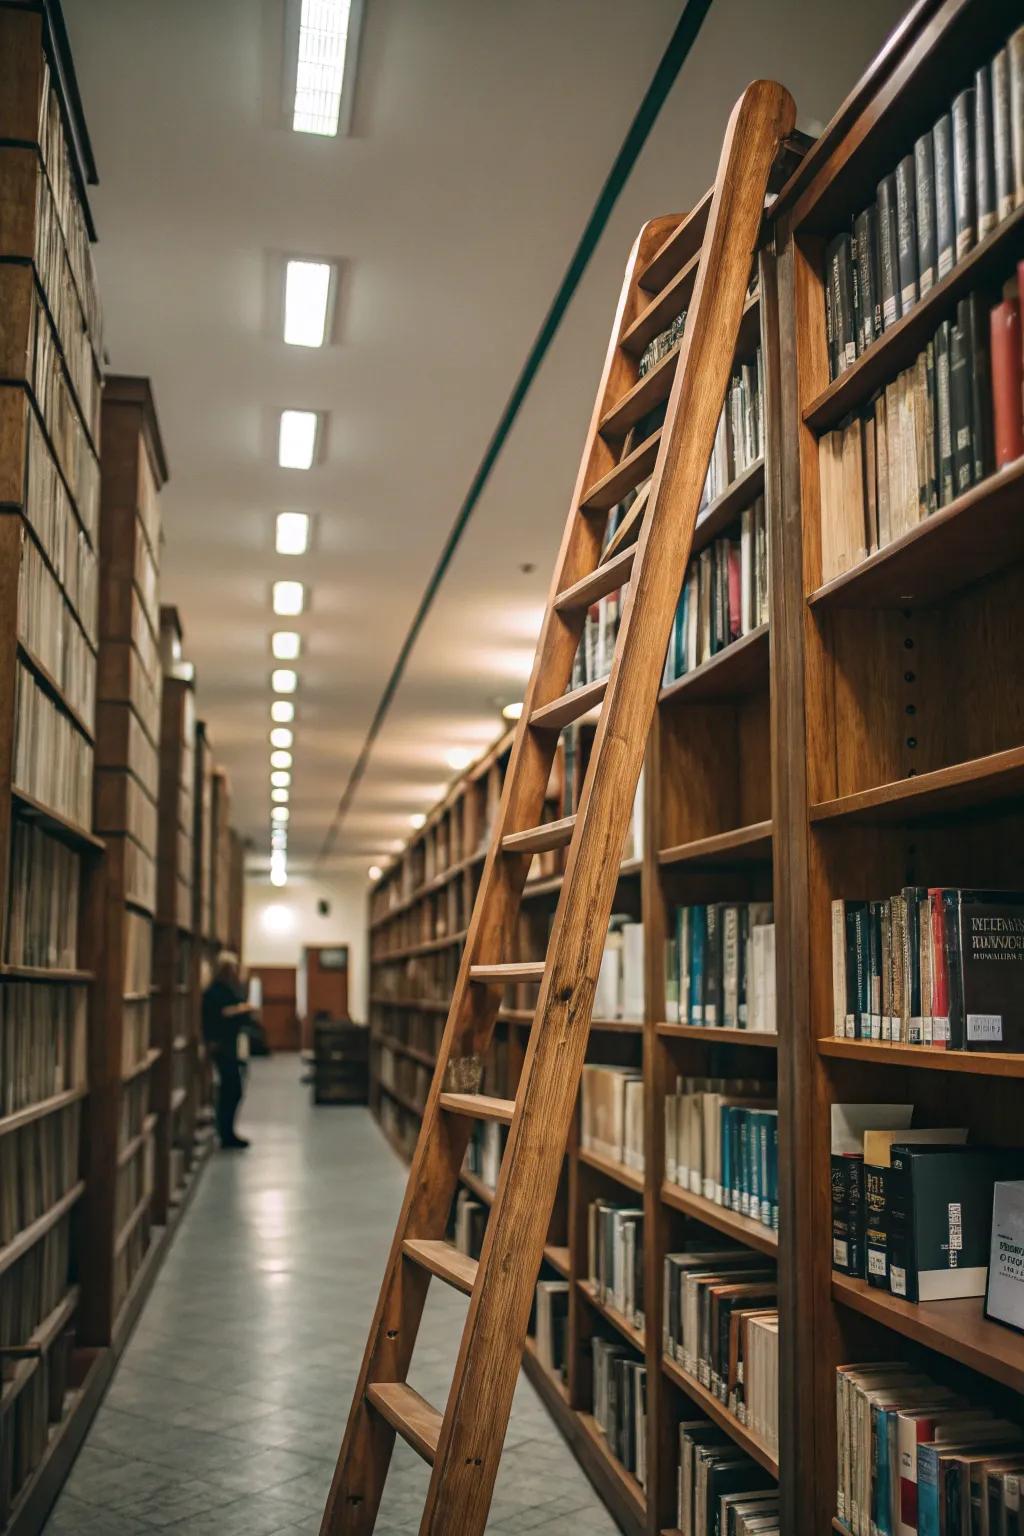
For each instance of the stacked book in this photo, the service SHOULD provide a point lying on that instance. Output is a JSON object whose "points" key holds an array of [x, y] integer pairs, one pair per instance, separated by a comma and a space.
{"points": [[938, 966], [724, 595], [612, 1114], [615, 1257], [719, 1488], [955, 185], [620, 981], [722, 1143], [620, 1404], [720, 966]]}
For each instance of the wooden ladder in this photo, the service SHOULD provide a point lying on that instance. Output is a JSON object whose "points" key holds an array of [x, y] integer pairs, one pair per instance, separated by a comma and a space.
{"points": [[463, 1444]]}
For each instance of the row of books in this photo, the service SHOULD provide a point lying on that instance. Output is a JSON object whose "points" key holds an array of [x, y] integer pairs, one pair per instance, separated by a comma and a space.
{"points": [[959, 182], [483, 1154], [915, 1458], [57, 165], [40, 1164], [612, 1114], [551, 1325], [41, 491], [620, 981], [53, 761], [620, 1403], [724, 596], [42, 917], [139, 871], [42, 1042], [720, 1490], [662, 344], [138, 955], [739, 438], [133, 1106], [399, 1126], [404, 1076], [134, 1183], [941, 426], [722, 1143], [53, 267], [134, 749], [38, 1404], [135, 1033], [912, 1206], [721, 1326], [938, 966], [720, 966], [615, 1257], [48, 628], [123, 806], [128, 1259], [75, 456], [419, 1031]]}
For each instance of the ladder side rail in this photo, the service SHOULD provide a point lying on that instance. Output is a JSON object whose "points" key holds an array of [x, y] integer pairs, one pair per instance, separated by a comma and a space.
{"points": [[487, 1368]]}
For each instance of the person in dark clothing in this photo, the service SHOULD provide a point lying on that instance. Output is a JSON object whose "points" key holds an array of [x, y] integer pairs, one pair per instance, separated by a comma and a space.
{"points": [[224, 1006]]}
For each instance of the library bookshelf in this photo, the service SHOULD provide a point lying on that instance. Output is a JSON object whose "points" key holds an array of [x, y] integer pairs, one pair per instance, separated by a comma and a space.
{"points": [[867, 735]]}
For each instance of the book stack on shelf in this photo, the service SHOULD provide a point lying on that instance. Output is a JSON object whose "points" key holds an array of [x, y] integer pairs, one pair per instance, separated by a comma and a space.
{"points": [[175, 1004], [50, 348], [897, 250], [130, 1060]]}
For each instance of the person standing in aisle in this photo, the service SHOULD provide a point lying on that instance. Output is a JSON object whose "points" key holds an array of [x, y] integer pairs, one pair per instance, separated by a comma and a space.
{"points": [[224, 1006]]}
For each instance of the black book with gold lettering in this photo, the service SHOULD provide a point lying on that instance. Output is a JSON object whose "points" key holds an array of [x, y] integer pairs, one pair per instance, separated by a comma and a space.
{"points": [[985, 933]]}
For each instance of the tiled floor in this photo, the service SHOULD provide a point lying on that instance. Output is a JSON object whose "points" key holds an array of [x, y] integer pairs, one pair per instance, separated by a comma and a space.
{"points": [[226, 1411]]}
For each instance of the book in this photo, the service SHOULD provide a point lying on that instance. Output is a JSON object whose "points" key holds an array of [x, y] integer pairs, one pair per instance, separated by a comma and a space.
{"points": [[964, 205], [906, 233], [1002, 144], [939, 1216], [984, 154], [1005, 339], [1004, 1295], [925, 212], [1015, 54], [888, 251]]}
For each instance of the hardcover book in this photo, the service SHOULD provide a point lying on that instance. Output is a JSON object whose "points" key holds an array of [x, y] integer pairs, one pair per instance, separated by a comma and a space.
{"points": [[939, 1216], [1004, 1299]]}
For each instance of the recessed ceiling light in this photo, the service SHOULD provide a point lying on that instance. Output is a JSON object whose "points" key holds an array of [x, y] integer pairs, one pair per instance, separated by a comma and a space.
{"points": [[459, 758], [291, 535], [280, 778], [279, 796], [307, 294], [320, 72], [374, 871], [281, 736], [278, 875], [513, 711], [284, 680], [418, 820], [278, 840], [282, 710], [296, 442], [280, 759], [286, 644], [289, 597], [279, 813]]}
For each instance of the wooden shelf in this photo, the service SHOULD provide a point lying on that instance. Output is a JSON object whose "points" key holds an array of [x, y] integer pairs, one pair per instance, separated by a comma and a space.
{"points": [[559, 1259], [51, 686], [876, 1053], [991, 258], [60, 826], [719, 515], [476, 1186], [30, 1235], [707, 1035], [424, 1057], [723, 1418], [742, 845], [745, 1230], [428, 947], [630, 1488], [625, 477], [963, 787], [978, 534], [133, 1220], [400, 1098], [619, 1320], [740, 669], [957, 1329], [42, 1338], [38, 1111], [44, 973], [612, 1169], [151, 1056], [130, 1148], [415, 1005]]}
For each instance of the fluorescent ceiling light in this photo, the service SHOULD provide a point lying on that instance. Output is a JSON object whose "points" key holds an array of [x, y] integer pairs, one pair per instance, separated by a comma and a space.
{"points": [[279, 813], [281, 736], [280, 759], [296, 443], [279, 796], [282, 710], [320, 72], [291, 536], [460, 758], [418, 820], [289, 597], [284, 680], [278, 876], [286, 644], [513, 711], [374, 871], [280, 778], [307, 294]]}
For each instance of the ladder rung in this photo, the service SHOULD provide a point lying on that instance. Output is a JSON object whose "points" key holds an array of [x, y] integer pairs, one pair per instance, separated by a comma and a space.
{"points": [[414, 1418], [613, 573], [479, 1106], [506, 974], [553, 834], [570, 707], [443, 1260], [625, 477], [663, 308]]}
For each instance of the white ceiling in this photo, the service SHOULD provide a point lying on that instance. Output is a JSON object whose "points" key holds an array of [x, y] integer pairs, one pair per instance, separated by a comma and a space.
{"points": [[483, 131]]}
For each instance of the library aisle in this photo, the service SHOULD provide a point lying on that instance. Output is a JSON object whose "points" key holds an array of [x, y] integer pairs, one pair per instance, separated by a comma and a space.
{"points": [[227, 1407]]}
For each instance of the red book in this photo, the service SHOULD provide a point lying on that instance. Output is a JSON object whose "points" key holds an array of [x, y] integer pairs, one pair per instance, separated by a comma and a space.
{"points": [[940, 972], [1006, 382], [734, 590]]}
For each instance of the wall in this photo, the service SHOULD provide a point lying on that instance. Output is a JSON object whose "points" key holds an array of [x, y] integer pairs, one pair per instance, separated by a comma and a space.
{"points": [[279, 922]]}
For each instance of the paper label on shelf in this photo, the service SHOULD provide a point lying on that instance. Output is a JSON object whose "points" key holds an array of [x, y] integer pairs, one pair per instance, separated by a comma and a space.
{"points": [[897, 1280], [985, 1026], [840, 1252], [876, 1262]]}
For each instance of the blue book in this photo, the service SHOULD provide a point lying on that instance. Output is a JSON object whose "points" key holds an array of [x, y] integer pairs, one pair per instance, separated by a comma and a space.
{"points": [[774, 1159], [698, 947], [725, 1131]]}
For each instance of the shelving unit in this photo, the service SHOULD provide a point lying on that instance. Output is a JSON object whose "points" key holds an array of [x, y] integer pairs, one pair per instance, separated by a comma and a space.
{"points": [[898, 757]]}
